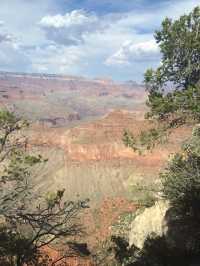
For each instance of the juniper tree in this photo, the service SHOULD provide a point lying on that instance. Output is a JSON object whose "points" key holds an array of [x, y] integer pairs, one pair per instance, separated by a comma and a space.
{"points": [[174, 87], [174, 100]]}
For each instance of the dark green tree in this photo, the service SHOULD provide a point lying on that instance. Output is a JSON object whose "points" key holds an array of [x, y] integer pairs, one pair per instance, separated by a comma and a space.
{"points": [[174, 100], [181, 188], [174, 87], [179, 43]]}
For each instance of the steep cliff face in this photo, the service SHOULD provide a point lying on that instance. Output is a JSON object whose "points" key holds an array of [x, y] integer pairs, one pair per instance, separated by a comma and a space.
{"points": [[150, 221], [101, 140], [91, 160], [98, 140]]}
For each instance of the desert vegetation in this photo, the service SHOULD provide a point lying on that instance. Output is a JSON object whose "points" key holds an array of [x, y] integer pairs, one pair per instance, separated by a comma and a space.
{"points": [[34, 219], [173, 101], [30, 222]]}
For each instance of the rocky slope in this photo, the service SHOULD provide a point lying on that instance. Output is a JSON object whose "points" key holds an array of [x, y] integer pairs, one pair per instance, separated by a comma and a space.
{"points": [[78, 125], [91, 160]]}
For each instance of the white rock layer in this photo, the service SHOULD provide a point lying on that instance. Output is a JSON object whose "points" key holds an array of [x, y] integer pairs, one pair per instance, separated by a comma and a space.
{"points": [[150, 221]]}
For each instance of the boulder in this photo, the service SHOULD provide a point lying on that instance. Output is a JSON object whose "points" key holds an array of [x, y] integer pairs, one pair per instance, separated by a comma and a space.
{"points": [[149, 222]]}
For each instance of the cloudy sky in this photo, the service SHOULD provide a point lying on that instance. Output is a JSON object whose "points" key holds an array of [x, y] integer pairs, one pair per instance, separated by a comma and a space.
{"points": [[94, 38]]}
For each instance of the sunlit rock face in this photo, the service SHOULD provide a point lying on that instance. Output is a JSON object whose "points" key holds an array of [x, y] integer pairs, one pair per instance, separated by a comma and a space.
{"points": [[150, 222]]}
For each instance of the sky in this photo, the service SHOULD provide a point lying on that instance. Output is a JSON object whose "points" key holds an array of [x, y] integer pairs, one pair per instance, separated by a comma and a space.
{"points": [[91, 38]]}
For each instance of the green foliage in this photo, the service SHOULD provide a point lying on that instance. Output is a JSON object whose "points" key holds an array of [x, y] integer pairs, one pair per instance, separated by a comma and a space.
{"points": [[53, 198], [15, 243], [122, 226], [181, 180], [157, 252], [176, 107], [115, 251], [129, 139], [179, 42], [7, 119], [147, 140], [32, 221], [180, 245], [181, 187], [174, 87], [123, 253], [145, 195]]}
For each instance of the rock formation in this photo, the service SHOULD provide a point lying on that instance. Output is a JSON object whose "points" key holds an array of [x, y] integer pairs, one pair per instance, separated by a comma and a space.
{"points": [[150, 222]]}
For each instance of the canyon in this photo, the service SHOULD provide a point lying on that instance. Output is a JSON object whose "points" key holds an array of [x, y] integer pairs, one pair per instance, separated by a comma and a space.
{"points": [[78, 125]]}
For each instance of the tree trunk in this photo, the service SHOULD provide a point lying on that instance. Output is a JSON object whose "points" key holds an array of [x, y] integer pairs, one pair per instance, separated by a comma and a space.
{"points": [[19, 261]]}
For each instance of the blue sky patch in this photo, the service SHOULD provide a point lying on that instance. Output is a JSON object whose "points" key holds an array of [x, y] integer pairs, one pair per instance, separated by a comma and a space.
{"points": [[104, 38]]}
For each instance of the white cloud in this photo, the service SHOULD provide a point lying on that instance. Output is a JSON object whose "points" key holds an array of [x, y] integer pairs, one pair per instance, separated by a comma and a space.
{"points": [[115, 40], [55, 59], [131, 51], [77, 18], [70, 28], [80, 42]]}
